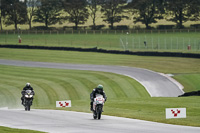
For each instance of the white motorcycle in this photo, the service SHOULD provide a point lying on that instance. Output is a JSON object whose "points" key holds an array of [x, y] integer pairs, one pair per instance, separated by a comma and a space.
{"points": [[98, 106]]}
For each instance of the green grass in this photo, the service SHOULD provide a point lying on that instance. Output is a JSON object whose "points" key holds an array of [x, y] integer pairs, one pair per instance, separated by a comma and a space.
{"points": [[53, 85], [49, 83], [189, 81], [13, 130], [175, 42]]}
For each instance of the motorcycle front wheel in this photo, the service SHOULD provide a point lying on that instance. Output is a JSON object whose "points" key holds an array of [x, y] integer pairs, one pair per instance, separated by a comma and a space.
{"points": [[99, 111]]}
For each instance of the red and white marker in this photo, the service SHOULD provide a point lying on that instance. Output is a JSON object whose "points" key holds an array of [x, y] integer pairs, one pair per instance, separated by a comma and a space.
{"points": [[66, 103], [175, 113]]}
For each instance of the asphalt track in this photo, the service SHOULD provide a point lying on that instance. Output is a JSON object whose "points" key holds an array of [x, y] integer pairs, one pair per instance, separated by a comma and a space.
{"points": [[55, 121], [157, 85]]}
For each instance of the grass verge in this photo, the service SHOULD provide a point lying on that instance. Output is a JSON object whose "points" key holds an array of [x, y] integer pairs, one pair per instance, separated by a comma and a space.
{"points": [[14, 130]]}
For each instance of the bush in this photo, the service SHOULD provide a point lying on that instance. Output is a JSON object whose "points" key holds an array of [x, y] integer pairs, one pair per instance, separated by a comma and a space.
{"points": [[43, 28], [165, 26], [122, 27], [196, 26], [97, 27]]}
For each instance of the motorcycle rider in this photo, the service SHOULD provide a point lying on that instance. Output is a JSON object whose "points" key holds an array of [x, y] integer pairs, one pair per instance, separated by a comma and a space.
{"points": [[27, 87], [97, 90]]}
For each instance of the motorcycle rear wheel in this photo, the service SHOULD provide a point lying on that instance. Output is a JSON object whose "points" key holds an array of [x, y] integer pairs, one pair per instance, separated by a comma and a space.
{"points": [[94, 115]]}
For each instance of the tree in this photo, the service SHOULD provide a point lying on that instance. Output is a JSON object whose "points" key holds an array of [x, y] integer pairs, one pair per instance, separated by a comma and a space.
{"points": [[49, 12], [113, 11], [31, 9], [1, 14], [195, 10], [15, 12], [93, 6], [77, 10], [180, 11], [146, 11]]}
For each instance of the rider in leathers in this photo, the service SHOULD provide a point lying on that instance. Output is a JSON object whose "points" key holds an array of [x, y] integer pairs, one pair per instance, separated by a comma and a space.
{"points": [[27, 87], [97, 90]]}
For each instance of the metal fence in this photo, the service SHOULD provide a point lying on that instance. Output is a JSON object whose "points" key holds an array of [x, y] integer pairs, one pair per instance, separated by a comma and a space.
{"points": [[160, 43], [157, 40], [132, 31]]}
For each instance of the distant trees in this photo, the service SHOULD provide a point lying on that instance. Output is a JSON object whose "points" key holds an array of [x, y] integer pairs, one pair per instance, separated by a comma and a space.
{"points": [[48, 12], [180, 11], [77, 11], [14, 12], [1, 14], [31, 9], [94, 6], [113, 11], [195, 10], [146, 11]]}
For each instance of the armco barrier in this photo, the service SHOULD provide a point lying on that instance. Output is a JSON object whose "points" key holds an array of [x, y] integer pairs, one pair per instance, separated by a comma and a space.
{"points": [[95, 49], [193, 93]]}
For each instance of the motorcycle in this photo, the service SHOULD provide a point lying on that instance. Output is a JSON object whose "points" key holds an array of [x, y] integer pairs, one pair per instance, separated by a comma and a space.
{"points": [[28, 99], [98, 106]]}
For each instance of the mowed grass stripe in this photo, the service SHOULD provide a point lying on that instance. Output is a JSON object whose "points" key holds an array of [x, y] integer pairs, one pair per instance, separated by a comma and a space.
{"points": [[128, 88], [51, 85], [189, 81], [9, 98]]}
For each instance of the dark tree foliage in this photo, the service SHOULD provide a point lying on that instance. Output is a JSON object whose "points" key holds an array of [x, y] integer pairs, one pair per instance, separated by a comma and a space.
{"points": [[195, 10], [146, 11], [93, 6], [180, 11], [49, 12], [1, 13], [113, 11], [14, 12], [77, 11], [31, 9]]}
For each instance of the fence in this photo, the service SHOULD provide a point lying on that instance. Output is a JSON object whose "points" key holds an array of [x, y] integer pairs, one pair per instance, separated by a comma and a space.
{"points": [[168, 40], [160, 43], [133, 31]]}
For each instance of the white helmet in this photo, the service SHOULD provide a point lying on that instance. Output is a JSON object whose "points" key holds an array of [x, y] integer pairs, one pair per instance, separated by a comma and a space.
{"points": [[28, 84]]}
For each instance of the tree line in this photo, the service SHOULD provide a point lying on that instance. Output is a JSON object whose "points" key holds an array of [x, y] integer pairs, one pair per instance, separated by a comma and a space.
{"points": [[50, 12]]}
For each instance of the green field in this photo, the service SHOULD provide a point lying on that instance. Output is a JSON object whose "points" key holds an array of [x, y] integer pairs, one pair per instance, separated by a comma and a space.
{"points": [[12, 130], [125, 96], [155, 41]]}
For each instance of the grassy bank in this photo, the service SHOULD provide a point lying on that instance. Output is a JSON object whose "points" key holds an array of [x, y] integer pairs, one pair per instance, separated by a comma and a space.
{"points": [[13, 130]]}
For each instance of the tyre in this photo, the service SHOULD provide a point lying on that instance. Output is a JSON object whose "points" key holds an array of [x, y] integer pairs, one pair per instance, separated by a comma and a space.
{"points": [[94, 115], [99, 111], [28, 108], [99, 115]]}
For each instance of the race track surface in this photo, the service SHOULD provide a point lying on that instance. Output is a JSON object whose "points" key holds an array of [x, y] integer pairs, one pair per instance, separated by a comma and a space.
{"points": [[55, 121], [156, 84]]}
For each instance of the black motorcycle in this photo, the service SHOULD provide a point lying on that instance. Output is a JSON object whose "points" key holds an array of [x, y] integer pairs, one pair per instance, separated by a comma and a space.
{"points": [[28, 99]]}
